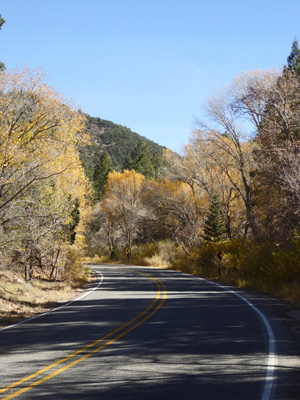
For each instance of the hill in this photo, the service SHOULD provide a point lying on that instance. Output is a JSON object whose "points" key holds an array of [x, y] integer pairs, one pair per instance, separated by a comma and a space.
{"points": [[117, 140]]}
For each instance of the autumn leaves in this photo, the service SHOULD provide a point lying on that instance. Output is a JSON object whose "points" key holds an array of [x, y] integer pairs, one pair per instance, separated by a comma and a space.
{"points": [[245, 154], [41, 176]]}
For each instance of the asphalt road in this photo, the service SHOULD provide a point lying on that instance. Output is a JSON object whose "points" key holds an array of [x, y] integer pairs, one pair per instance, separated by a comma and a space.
{"points": [[144, 333]]}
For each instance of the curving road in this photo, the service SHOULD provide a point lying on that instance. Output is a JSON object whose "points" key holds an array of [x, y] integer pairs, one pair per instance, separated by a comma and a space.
{"points": [[144, 333]]}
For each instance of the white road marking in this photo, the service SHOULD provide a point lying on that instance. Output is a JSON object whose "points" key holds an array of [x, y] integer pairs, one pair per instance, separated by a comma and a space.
{"points": [[266, 395], [57, 308], [272, 359]]}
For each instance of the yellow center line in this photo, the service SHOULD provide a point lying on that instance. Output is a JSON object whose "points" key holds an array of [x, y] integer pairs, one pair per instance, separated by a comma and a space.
{"points": [[29, 377], [38, 382]]}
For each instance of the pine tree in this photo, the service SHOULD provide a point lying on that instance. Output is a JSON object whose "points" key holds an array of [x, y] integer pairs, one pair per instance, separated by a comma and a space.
{"points": [[70, 228], [75, 215], [2, 21], [214, 228], [293, 60], [102, 168], [141, 160], [157, 163]]}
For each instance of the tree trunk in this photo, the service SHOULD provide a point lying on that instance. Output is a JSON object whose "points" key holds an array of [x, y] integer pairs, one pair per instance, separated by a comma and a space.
{"points": [[54, 270]]}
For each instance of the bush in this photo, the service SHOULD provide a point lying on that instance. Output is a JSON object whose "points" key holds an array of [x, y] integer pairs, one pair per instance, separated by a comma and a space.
{"points": [[75, 272], [142, 253], [201, 261], [116, 253], [158, 254], [260, 266]]}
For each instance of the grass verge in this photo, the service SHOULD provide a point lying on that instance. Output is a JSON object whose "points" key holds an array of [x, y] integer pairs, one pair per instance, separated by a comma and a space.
{"points": [[20, 299]]}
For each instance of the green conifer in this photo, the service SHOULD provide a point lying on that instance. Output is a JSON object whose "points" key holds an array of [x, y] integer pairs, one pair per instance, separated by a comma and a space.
{"points": [[103, 166], [2, 21], [293, 60], [141, 160], [214, 228]]}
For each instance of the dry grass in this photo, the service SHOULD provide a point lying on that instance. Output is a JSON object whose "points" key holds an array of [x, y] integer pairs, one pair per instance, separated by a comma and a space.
{"points": [[20, 299], [157, 261]]}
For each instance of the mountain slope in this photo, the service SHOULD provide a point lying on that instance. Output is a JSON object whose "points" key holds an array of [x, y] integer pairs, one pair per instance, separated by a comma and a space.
{"points": [[119, 141]]}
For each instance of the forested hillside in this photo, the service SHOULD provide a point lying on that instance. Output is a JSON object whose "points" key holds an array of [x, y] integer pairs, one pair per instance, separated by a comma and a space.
{"points": [[118, 141], [234, 192], [114, 147], [73, 185], [44, 193]]}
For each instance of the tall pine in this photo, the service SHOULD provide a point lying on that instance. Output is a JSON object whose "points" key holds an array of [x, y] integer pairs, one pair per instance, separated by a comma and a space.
{"points": [[293, 60], [214, 228], [2, 21], [103, 166], [141, 160]]}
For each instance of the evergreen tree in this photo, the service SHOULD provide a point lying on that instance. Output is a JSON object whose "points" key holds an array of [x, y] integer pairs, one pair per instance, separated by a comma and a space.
{"points": [[214, 228], [70, 228], [141, 160], [117, 140], [157, 163], [75, 214], [293, 60], [2, 21], [103, 166]]}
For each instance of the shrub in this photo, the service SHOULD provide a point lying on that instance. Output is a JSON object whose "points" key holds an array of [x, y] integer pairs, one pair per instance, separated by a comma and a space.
{"points": [[143, 252], [159, 254], [75, 272], [261, 266]]}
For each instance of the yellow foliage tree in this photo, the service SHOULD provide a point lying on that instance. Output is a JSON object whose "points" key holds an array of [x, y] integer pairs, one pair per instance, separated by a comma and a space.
{"points": [[175, 211], [208, 170], [40, 167], [123, 204]]}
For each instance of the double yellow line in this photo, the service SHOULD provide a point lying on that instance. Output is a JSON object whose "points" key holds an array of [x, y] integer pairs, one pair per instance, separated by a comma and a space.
{"points": [[92, 348]]}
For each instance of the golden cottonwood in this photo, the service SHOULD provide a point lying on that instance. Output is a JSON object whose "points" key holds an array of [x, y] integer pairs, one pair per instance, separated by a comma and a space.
{"points": [[37, 128], [39, 161], [209, 171], [224, 132], [174, 211], [102, 231], [270, 101], [122, 203]]}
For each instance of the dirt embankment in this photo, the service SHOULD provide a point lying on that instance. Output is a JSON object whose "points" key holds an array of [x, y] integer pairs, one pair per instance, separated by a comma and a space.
{"points": [[20, 299]]}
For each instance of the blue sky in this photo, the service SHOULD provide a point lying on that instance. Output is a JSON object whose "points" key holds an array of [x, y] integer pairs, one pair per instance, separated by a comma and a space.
{"points": [[148, 65]]}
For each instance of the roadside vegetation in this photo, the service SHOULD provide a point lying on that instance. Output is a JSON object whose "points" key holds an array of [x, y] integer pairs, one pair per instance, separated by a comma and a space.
{"points": [[20, 299], [234, 192], [234, 189], [44, 195]]}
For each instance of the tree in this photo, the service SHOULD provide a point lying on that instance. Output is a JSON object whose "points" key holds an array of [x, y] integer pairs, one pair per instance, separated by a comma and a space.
{"points": [[230, 150], [293, 60], [39, 166], [103, 166], [171, 212], [74, 220], [39, 131], [214, 227], [2, 21], [123, 204], [102, 231], [271, 101], [157, 164], [206, 177], [35, 232], [142, 160]]}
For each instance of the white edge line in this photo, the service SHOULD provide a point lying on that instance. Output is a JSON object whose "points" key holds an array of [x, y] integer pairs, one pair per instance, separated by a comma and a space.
{"points": [[266, 395], [57, 308], [271, 348]]}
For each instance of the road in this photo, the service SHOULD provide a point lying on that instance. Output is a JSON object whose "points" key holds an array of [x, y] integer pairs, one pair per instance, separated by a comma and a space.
{"points": [[144, 333]]}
